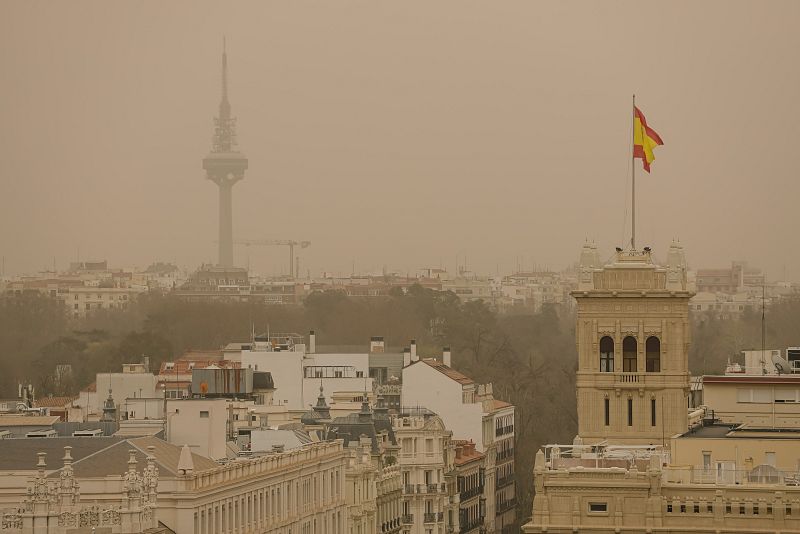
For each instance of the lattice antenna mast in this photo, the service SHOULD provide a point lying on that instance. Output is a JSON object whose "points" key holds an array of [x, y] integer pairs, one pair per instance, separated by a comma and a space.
{"points": [[224, 125]]}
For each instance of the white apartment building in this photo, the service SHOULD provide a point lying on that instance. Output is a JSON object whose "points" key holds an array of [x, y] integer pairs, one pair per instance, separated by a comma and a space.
{"points": [[82, 300], [207, 425], [471, 412], [297, 370], [135, 381]]}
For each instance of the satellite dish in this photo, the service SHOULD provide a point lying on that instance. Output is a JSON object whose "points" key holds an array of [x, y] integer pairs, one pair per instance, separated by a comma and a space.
{"points": [[781, 364]]}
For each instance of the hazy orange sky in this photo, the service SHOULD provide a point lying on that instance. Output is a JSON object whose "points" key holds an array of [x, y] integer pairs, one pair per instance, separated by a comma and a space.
{"points": [[404, 134]]}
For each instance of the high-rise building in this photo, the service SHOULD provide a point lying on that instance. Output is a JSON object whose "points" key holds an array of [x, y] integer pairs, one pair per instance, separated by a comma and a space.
{"points": [[225, 166], [633, 338]]}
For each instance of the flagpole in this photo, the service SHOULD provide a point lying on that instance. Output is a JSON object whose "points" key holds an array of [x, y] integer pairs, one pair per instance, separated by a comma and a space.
{"points": [[633, 174]]}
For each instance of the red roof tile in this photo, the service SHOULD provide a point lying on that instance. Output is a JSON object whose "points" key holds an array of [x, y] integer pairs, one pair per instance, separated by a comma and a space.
{"points": [[448, 371]]}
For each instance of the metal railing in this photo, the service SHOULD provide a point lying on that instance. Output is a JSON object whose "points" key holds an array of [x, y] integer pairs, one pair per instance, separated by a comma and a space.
{"points": [[472, 492], [505, 453], [506, 505], [407, 519], [503, 430], [466, 526], [505, 481], [724, 475]]}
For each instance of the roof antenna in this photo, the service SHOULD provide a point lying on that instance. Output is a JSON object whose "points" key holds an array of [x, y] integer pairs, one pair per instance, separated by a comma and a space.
{"points": [[763, 328]]}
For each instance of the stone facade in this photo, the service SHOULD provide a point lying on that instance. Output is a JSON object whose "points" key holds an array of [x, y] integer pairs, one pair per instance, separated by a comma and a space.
{"points": [[634, 492], [426, 463], [300, 491], [633, 337], [54, 506]]}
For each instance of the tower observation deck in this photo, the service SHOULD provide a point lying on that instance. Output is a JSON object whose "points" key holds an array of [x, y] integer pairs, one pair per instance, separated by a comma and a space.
{"points": [[225, 166]]}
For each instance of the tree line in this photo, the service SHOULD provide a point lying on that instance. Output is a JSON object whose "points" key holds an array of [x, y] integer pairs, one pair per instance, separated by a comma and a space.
{"points": [[529, 357]]}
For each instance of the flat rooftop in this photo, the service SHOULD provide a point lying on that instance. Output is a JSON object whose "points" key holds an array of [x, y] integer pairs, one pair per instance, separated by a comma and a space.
{"points": [[731, 431]]}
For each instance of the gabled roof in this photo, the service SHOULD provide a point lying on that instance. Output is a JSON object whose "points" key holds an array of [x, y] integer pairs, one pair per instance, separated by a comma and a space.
{"points": [[53, 402], [20, 453], [447, 371], [498, 404], [94, 457]]}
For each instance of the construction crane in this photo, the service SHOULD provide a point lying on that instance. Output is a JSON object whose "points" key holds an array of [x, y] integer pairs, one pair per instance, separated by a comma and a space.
{"points": [[278, 242]]}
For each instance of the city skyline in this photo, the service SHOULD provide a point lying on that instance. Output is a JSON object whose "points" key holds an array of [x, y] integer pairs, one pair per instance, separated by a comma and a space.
{"points": [[500, 132]]}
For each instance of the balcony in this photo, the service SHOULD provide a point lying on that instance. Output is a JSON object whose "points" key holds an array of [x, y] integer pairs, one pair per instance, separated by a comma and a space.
{"points": [[429, 517], [506, 506], [467, 526], [501, 431], [409, 488], [436, 488], [391, 526], [472, 492], [633, 379], [504, 454], [407, 519], [504, 481]]}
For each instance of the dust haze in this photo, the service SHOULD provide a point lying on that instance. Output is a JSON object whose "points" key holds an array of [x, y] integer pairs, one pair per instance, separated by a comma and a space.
{"points": [[404, 134]]}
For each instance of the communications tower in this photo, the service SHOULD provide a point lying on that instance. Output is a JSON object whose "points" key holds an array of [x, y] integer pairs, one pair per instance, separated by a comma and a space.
{"points": [[225, 166]]}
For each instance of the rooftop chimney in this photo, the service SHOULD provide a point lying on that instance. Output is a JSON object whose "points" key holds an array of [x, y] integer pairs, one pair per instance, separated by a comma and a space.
{"points": [[446, 356], [312, 342], [406, 357], [414, 356]]}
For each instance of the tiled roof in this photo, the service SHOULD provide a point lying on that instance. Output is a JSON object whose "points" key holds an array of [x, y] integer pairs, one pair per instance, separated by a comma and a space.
{"points": [[53, 402], [497, 404], [448, 371], [28, 420], [167, 455], [19, 454], [95, 457]]}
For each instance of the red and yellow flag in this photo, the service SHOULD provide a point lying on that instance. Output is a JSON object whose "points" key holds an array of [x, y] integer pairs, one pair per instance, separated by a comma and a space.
{"points": [[645, 139]]}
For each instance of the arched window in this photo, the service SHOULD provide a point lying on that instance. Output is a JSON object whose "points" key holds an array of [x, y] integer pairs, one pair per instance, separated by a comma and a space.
{"points": [[653, 354], [606, 355], [629, 355]]}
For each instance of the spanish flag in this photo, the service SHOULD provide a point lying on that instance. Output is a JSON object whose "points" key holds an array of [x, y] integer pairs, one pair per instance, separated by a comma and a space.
{"points": [[645, 139]]}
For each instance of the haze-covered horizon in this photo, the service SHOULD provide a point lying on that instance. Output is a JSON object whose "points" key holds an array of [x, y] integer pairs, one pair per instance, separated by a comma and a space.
{"points": [[404, 135]]}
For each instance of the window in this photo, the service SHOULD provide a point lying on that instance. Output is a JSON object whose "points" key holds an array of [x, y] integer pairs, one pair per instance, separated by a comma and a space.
{"points": [[606, 403], [598, 507], [630, 412], [359, 374], [204, 414], [653, 354], [652, 412], [629, 349], [706, 460], [606, 355], [754, 395]]}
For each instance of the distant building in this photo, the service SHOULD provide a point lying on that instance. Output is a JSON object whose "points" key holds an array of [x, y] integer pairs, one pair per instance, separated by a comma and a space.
{"points": [[733, 280]]}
